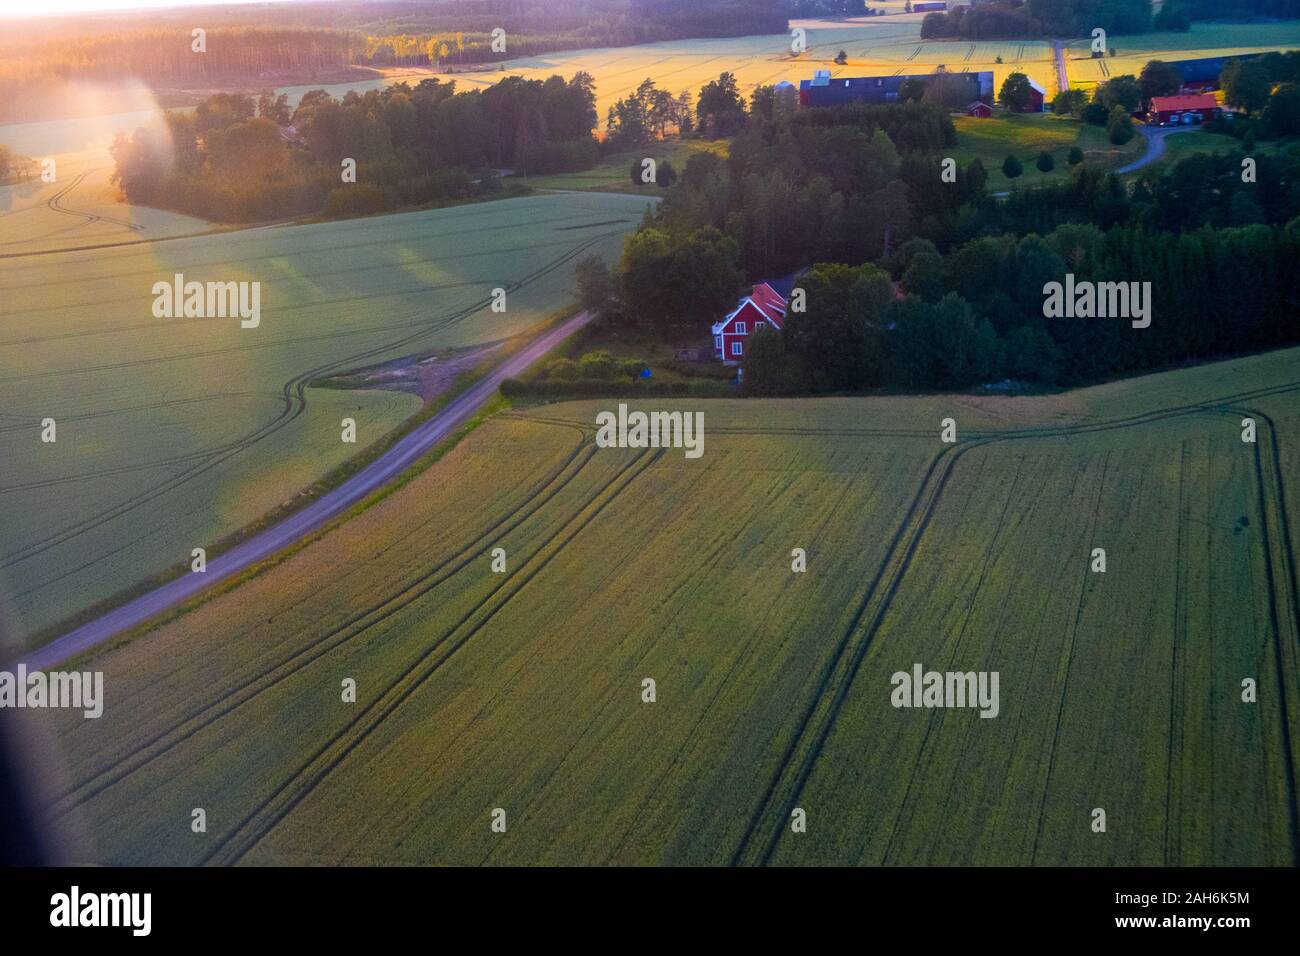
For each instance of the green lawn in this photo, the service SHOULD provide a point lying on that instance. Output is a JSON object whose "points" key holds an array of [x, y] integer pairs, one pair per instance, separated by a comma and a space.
{"points": [[1186, 144], [1027, 135], [614, 174]]}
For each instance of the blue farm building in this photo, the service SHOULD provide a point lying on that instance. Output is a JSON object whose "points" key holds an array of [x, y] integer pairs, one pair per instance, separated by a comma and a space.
{"points": [[1204, 73], [825, 90]]}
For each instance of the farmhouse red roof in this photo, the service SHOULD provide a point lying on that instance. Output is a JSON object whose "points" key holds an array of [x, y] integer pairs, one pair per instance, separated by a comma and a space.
{"points": [[1197, 101]]}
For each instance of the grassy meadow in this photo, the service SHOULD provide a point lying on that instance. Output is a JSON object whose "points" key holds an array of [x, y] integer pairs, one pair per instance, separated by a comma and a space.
{"points": [[521, 689], [172, 433], [614, 173], [1026, 135]]}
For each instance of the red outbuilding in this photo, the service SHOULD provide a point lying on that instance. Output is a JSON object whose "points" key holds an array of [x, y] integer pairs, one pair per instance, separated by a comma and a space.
{"points": [[1037, 99], [979, 109], [1183, 110], [763, 307]]}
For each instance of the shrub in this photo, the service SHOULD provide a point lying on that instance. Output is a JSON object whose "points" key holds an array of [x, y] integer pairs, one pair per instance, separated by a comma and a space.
{"points": [[563, 157], [1095, 114], [597, 365], [1120, 126], [514, 388], [1045, 162], [562, 368], [1070, 103], [1011, 167], [355, 199], [1076, 156]]}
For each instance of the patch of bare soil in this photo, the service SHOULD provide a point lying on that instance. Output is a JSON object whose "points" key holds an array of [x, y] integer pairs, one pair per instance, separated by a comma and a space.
{"points": [[427, 376]]}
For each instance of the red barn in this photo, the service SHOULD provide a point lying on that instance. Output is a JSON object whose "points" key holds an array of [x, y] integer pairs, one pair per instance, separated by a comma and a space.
{"points": [[1172, 110], [1037, 99], [764, 306]]}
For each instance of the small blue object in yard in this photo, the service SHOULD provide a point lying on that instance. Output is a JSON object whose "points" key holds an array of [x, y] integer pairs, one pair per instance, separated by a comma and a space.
{"points": [[646, 373]]}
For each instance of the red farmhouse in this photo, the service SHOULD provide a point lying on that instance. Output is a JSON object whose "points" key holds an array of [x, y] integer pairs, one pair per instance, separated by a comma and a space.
{"points": [[1196, 108], [764, 306]]}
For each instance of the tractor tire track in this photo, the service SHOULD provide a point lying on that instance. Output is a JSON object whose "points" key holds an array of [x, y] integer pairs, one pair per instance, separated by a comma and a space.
{"points": [[764, 808], [294, 403], [267, 678], [254, 826], [1288, 585]]}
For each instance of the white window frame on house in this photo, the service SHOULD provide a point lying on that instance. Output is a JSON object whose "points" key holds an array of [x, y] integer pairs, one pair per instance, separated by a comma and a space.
{"points": [[717, 341], [737, 348], [758, 325], [741, 328]]}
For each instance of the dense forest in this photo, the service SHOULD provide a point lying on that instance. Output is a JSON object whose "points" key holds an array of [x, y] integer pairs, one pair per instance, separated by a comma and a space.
{"points": [[994, 19], [240, 159], [1212, 9], [915, 282]]}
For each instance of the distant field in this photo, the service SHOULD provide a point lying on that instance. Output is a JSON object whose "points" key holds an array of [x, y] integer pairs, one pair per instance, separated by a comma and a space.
{"points": [[175, 432], [80, 208], [1203, 40], [1026, 136], [522, 690], [874, 46], [884, 46]]}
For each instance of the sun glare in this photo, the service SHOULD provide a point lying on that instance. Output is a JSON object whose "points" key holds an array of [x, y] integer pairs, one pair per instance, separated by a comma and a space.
{"points": [[23, 8]]}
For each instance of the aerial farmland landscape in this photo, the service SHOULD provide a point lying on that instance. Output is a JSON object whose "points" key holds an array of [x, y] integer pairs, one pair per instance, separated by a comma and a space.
{"points": [[790, 433]]}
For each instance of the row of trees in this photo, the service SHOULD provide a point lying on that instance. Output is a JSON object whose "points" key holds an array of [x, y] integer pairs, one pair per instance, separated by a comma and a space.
{"points": [[34, 77], [863, 184], [239, 159], [14, 167], [649, 113], [976, 315], [1036, 18]]}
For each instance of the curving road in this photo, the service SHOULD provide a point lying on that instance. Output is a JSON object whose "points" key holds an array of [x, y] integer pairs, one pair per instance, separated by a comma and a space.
{"points": [[1155, 137], [408, 450]]}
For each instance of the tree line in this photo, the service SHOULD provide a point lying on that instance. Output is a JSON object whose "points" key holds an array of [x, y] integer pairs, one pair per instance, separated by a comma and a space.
{"points": [[33, 77], [995, 19], [1216, 250], [241, 159]]}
